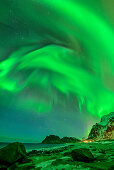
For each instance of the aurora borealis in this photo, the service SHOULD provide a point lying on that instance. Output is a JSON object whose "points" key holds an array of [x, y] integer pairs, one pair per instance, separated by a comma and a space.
{"points": [[56, 57]]}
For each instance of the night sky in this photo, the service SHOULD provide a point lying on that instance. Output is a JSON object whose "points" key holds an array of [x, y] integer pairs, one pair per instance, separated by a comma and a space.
{"points": [[56, 67]]}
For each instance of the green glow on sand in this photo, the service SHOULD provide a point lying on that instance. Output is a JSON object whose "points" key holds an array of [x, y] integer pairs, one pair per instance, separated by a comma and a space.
{"points": [[79, 60]]}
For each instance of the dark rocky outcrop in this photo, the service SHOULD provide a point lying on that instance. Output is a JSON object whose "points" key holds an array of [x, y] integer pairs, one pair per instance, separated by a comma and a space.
{"points": [[103, 130], [52, 139], [82, 155], [12, 153], [69, 140]]}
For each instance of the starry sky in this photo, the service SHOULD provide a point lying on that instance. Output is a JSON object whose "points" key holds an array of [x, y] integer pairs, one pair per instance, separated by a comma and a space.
{"points": [[56, 67]]}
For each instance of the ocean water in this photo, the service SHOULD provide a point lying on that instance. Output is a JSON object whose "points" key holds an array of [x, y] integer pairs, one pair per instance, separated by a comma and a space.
{"points": [[35, 146]]}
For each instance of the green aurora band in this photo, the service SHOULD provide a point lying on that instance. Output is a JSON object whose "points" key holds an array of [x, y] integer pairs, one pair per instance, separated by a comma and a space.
{"points": [[53, 47]]}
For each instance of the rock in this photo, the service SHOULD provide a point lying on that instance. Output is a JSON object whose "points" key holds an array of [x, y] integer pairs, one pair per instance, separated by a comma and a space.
{"points": [[47, 153], [52, 139], [102, 151], [38, 168], [68, 153], [103, 130], [101, 158], [3, 167], [25, 167], [69, 140], [34, 153], [111, 167], [82, 155], [94, 149], [26, 159], [63, 161], [12, 153], [13, 166]]}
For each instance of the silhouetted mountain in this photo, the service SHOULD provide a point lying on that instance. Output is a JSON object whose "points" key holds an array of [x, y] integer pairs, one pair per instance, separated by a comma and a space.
{"points": [[52, 139]]}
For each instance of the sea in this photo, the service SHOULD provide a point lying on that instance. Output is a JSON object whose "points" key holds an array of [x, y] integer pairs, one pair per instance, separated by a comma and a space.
{"points": [[35, 146]]}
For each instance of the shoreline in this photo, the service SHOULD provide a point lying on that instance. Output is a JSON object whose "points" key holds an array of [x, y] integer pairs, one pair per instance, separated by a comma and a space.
{"points": [[94, 155]]}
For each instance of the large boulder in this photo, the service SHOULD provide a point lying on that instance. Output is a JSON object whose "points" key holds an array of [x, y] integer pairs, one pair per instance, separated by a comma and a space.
{"points": [[12, 153], [69, 140], [52, 139], [103, 130], [82, 155]]}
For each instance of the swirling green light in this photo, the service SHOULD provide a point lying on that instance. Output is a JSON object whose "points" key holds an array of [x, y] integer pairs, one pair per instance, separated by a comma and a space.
{"points": [[77, 57]]}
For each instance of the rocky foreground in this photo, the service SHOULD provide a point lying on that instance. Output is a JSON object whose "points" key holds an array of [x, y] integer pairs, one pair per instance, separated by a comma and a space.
{"points": [[94, 153], [93, 156]]}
